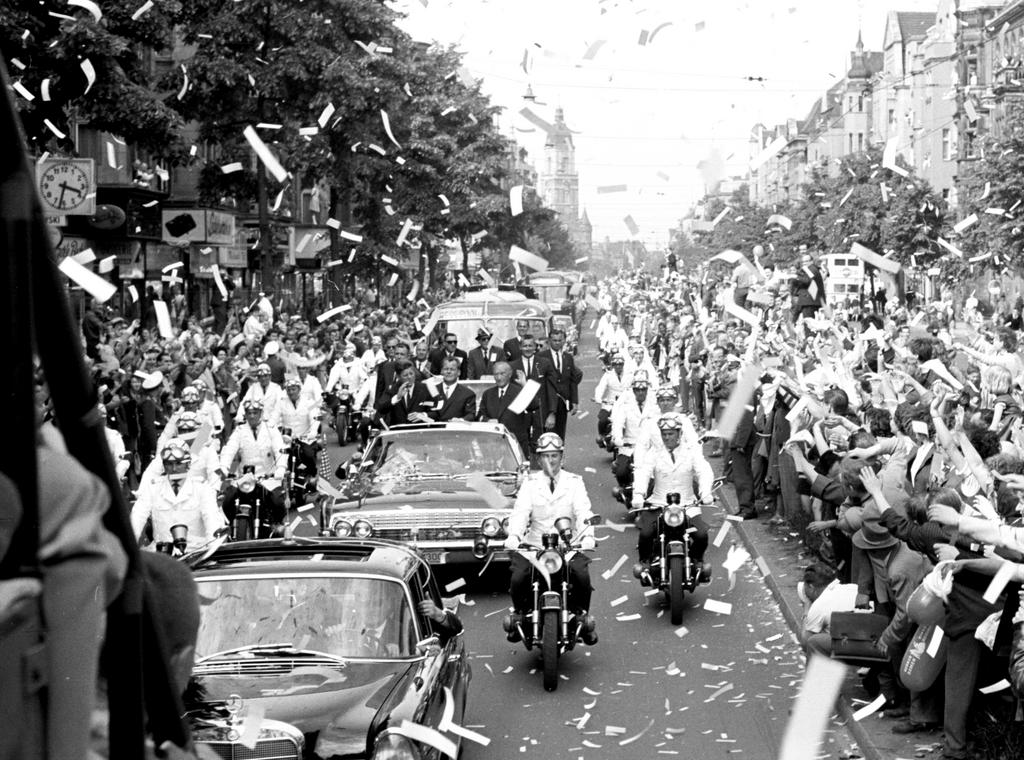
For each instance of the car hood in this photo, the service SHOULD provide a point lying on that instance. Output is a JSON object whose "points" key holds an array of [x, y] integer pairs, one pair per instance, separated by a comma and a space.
{"points": [[313, 698], [418, 499]]}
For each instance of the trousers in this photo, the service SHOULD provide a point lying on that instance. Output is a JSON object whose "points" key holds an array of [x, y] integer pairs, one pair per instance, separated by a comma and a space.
{"points": [[647, 533], [580, 588]]}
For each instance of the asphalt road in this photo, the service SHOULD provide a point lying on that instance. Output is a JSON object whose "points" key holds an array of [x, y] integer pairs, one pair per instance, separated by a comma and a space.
{"points": [[721, 685]]}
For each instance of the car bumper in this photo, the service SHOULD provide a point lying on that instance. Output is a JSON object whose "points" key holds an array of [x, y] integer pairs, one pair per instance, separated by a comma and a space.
{"points": [[439, 553]]}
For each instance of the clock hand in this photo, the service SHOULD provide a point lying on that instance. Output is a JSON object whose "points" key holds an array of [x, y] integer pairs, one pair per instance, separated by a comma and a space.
{"points": [[65, 186]]}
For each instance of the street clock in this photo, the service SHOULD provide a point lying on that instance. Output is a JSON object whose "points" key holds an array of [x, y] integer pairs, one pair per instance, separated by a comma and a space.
{"points": [[67, 186]]}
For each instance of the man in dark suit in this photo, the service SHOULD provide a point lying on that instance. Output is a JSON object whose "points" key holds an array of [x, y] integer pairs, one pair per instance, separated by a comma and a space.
{"points": [[481, 359], [449, 351], [453, 401], [387, 372], [514, 346], [495, 401], [407, 400], [529, 366], [563, 382]]}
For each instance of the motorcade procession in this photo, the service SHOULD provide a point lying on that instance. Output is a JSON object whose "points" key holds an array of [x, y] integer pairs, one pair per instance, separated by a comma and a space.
{"points": [[347, 440]]}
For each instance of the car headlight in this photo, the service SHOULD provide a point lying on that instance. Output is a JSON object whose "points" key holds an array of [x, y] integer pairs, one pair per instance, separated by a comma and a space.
{"points": [[362, 529], [490, 527], [343, 529], [674, 516], [504, 525], [551, 561], [395, 747]]}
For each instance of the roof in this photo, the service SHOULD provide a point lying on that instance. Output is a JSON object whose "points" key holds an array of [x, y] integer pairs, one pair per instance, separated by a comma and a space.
{"points": [[303, 555], [864, 66], [914, 24]]}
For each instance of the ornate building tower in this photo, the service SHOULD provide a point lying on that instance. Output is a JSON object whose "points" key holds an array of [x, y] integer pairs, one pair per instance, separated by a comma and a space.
{"points": [[559, 184]]}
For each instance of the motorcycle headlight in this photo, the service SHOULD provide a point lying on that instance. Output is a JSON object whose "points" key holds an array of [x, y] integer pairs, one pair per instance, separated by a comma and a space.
{"points": [[247, 485], [490, 527], [504, 525], [395, 747], [551, 561], [362, 529], [674, 516], [343, 529]]}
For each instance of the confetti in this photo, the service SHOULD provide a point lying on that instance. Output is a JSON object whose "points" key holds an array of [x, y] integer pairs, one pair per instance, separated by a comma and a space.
{"points": [[810, 714], [89, 281], [455, 584], [235, 166], [723, 608], [387, 128], [614, 569], [1003, 575], [868, 709], [23, 91], [515, 199], [90, 74], [144, 8], [265, 155], [526, 258], [90, 6], [997, 686], [426, 735]]}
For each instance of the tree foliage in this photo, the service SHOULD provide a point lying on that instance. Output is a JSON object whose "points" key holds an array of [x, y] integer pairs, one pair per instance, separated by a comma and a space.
{"points": [[56, 51]]}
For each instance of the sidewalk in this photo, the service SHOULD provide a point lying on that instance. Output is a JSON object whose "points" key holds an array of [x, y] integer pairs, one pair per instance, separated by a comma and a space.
{"points": [[785, 557]]}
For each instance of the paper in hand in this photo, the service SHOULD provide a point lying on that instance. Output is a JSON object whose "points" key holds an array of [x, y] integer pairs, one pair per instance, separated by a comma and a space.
{"points": [[742, 395]]}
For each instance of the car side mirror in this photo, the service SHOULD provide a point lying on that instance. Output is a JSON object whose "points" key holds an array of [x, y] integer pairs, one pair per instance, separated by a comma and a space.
{"points": [[425, 645]]}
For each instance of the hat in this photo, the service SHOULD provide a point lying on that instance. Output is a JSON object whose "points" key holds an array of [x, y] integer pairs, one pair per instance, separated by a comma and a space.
{"points": [[187, 425], [262, 368], [670, 421], [667, 391], [153, 381], [617, 359], [640, 380], [271, 348], [482, 333], [175, 450], [143, 376], [252, 405], [292, 382], [549, 442], [873, 535]]}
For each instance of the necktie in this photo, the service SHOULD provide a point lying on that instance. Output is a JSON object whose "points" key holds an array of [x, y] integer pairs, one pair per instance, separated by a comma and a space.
{"points": [[552, 480], [529, 367], [501, 393], [672, 454], [558, 363], [408, 397]]}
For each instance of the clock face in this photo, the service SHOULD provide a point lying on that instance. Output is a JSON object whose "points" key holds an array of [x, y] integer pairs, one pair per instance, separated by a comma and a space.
{"points": [[64, 186]]}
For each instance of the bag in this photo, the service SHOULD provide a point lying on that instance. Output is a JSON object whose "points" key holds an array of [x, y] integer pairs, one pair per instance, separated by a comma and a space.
{"points": [[927, 605], [919, 670], [855, 634]]}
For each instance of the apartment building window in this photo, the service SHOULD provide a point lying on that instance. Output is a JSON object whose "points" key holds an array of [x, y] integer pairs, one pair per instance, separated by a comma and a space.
{"points": [[948, 144], [849, 140], [892, 115], [860, 142]]}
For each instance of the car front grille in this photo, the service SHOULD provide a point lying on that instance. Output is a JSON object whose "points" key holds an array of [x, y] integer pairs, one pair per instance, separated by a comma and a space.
{"points": [[265, 749], [259, 666], [427, 534], [420, 519]]}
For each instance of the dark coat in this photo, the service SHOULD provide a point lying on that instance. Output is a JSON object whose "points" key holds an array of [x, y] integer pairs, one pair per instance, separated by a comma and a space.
{"points": [[564, 384], [460, 405], [437, 355], [541, 372], [494, 408], [480, 363], [398, 414]]}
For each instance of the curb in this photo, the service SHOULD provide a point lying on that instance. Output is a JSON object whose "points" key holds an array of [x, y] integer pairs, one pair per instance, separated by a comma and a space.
{"points": [[865, 743]]}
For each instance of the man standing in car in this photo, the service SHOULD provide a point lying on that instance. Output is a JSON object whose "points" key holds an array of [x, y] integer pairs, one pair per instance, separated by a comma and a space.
{"points": [[563, 383]]}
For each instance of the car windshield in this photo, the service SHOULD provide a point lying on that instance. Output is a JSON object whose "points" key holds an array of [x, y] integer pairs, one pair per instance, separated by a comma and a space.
{"points": [[414, 454], [344, 616], [553, 293]]}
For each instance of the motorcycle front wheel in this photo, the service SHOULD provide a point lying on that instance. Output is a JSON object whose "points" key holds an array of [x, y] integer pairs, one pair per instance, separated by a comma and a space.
{"points": [[341, 426], [675, 589], [549, 648]]}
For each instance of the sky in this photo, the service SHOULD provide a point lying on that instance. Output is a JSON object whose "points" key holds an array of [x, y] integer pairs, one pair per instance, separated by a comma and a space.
{"points": [[647, 114]]}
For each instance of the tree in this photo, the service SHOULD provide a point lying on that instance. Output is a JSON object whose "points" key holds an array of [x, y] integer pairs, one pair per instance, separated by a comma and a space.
{"points": [[741, 229], [991, 189], [60, 53]]}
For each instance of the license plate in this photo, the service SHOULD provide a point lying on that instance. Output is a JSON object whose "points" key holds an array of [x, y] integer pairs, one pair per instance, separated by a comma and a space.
{"points": [[434, 556]]}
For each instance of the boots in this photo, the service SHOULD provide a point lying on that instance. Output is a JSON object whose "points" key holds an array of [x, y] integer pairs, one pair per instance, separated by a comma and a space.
{"points": [[511, 624], [588, 629]]}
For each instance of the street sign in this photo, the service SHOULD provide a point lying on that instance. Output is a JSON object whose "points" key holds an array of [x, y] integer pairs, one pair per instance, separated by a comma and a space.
{"points": [[67, 186], [57, 220]]}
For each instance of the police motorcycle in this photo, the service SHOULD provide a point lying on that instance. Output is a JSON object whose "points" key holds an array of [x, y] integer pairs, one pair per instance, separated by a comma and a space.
{"points": [[301, 474], [549, 625], [341, 405], [252, 518], [177, 547], [673, 569]]}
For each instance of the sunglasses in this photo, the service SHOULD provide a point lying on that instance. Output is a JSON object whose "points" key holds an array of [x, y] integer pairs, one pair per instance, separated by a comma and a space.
{"points": [[451, 342]]}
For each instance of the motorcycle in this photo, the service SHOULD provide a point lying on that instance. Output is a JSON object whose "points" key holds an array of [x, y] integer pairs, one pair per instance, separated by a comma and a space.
{"points": [[346, 417], [673, 571], [252, 519], [301, 475], [549, 625]]}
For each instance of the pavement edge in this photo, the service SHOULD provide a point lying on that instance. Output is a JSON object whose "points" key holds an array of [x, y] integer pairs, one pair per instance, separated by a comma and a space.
{"points": [[864, 740]]}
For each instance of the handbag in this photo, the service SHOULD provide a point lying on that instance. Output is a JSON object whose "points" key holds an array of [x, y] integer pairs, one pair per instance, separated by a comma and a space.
{"points": [[855, 635], [918, 670]]}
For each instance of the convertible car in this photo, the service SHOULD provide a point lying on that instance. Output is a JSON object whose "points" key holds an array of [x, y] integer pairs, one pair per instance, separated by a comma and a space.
{"points": [[445, 488], [317, 649]]}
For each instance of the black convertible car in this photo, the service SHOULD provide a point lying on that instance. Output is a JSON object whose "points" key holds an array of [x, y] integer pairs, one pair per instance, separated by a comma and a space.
{"points": [[316, 648]]}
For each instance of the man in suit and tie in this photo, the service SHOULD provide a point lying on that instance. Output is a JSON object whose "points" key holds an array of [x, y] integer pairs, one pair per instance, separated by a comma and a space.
{"points": [[450, 350], [564, 381], [481, 359], [453, 401], [528, 367], [387, 372], [494, 405], [514, 346], [406, 400]]}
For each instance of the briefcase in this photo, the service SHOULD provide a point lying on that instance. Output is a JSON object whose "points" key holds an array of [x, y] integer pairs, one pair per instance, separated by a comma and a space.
{"points": [[854, 635]]}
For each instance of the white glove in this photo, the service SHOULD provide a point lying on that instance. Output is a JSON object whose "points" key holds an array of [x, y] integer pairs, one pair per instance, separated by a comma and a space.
{"points": [[638, 502], [588, 543], [512, 543]]}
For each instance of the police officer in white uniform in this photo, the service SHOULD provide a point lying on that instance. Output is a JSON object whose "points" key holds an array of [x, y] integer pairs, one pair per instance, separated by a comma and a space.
{"points": [[260, 448], [545, 497], [177, 499], [609, 388], [264, 390], [674, 469], [204, 464]]}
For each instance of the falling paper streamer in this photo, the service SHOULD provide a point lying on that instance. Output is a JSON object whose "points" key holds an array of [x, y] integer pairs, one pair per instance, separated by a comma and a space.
{"points": [[868, 256], [215, 271], [950, 247], [606, 189], [593, 50], [515, 199], [90, 74], [524, 257], [325, 115], [21, 90], [387, 128], [44, 89], [781, 220], [163, 319], [351, 236], [631, 225], [868, 709], [146, 6], [769, 152], [822, 681], [85, 257], [107, 264], [235, 166], [265, 155], [184, 84], [534, 119], [406, 227], [90, 6], [1003, 575], [332, 312], [657, 29], [988, 189], [963, 224], [89, 281], [741, 396], [997, 686], [521, 401], [393, 279]]}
